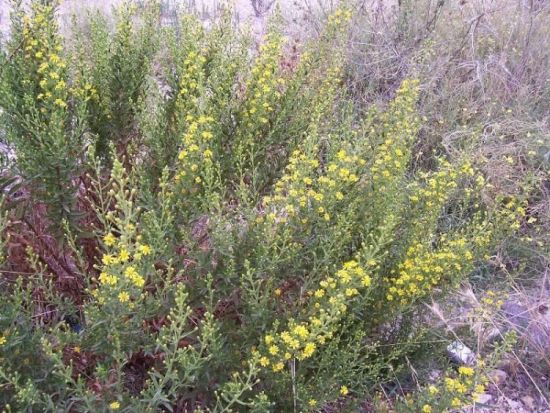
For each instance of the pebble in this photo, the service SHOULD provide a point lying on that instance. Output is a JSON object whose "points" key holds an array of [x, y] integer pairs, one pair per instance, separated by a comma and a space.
{"points": [[498, 376]]}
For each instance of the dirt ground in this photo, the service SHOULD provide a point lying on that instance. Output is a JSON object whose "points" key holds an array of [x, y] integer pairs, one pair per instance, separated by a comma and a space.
{"points": [[253, 12]]}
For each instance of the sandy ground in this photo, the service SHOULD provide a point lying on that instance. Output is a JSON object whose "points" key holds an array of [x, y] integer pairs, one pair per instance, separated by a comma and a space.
{"points": [[245, 12]]}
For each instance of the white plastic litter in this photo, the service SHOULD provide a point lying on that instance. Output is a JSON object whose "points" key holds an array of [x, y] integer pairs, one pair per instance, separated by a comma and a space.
{"points": [[460, 353]]}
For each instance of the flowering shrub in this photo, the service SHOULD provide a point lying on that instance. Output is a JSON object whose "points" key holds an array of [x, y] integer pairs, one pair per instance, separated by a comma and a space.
{"points": [[241, 238], [40, 111]]}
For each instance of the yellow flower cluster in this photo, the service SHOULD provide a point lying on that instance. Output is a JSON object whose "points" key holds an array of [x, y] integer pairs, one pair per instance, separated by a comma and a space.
{"points": [[327, 83], [262, 88], [332, 298], [340, 18], [42, 46], [493, 300], [437, 188], [423, 268], [456, 390], [305, 188], [429, 194], [466, 383], [85, 91], [119, 265], [391, 157], [327, 93], [191, 82], [512, 213], [196, 155], [263, 92]]}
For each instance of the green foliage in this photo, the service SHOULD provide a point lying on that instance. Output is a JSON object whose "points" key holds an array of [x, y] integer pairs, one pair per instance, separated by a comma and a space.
{"points": [[42, 120], [113, 69], [258, 244]]}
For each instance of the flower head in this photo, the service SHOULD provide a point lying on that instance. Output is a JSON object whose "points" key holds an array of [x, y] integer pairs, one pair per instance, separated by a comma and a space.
{"points": [[123, 297], [109, 239]]}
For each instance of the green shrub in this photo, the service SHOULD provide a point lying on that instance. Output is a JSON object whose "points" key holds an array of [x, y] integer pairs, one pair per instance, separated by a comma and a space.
{"points": [[275, 255], [42, 119]]}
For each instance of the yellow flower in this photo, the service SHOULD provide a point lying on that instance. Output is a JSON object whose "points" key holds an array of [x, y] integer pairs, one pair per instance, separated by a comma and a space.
{"points": [[144, 249], [123, 256], [466, 371], [461, 388], [350, 292], [426, 408], [114, 405], [138, 281], [309, 349], [123, 297], [301, 331], [2, 340], [105, 278], [264, 361], [54, 58], [433, 390], [109, 239], [450, 384], [312, 402], [60, 103], [480, 388], [109, 259], [278, 366], [130, 272], [366, 281], [344, 390], [344, 276], [273, 350]]}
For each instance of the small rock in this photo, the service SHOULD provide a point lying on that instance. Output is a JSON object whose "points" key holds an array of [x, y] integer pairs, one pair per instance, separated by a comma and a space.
{"points": [[516, 314], [529, 402], [484, 398], [538, 332], [515, 405], [434, 375], [498, 376]]}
